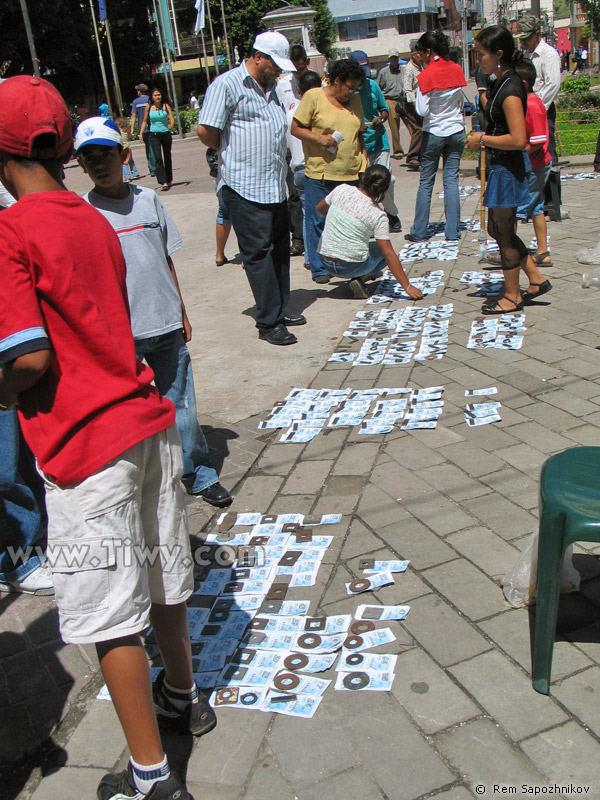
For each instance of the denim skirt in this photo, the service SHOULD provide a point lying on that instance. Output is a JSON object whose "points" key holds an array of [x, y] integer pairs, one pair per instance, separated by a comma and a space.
{"points": [[504, 190]]}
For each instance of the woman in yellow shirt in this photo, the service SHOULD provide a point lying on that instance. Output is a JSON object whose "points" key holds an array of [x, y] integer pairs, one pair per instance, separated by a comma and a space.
{"points": [[329, 122]]}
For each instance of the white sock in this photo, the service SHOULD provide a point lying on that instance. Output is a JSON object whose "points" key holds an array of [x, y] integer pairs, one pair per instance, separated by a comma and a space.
{"points": [[180, 698], [146, 775]]}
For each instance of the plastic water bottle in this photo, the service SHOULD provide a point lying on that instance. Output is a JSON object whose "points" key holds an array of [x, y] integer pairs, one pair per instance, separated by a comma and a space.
{"points": [[591, 279]]}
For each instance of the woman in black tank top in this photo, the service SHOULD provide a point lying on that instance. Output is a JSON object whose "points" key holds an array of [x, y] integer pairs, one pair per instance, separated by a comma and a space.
{"points": [[507, 185]]}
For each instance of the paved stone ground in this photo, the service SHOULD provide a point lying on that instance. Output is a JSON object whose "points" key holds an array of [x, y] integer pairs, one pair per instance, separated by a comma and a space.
{"points": [[458, 502]]}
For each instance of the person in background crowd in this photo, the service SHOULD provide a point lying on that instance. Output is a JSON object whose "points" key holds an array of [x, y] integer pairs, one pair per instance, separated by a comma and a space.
{"points": [[390, 83], [158, 118], [439, 99], [194, 104], [375, 138], [130, 171], [330, 121], [547, 65], [289, 94], [308, 80], [104, 110], [410, 118], [243, 118], [506, 188], [138, 111]]}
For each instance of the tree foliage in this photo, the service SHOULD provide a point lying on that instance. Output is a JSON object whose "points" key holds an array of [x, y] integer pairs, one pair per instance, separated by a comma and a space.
{"points": [[591, 8], [66, 48]]}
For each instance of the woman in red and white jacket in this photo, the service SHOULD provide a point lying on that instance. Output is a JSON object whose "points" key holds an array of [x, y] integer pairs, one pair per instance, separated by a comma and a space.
{"points": [[439, 102]]}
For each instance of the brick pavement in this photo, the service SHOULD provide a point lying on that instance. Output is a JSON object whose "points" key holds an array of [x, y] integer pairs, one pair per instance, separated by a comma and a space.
{"points": [[459, 503]]}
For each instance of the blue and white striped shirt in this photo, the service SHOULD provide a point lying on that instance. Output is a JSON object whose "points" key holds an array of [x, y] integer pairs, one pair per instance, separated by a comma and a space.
{"points": [[252, 152]]}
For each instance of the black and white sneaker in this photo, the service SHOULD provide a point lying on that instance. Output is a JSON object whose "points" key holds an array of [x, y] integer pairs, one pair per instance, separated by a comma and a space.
{"points": [[121, 786], [197, 718]]}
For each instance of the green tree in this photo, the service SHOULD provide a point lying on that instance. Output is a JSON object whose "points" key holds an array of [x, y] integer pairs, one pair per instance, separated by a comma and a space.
{"points": [[64, 40], [591, 8]]}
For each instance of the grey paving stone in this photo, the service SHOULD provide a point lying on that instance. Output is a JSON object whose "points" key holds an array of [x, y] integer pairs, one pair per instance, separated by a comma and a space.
{"points": [[439, 513], [502, 516], [521, 712], [75, 782], [327, 445], [267, 781], [485, 758], [585, 435], [378, 509], [413, 541], [520, 488], [356, 459], [227, 754], [566, 400], [300, 749], [413, 454], [215, 791], [404, 765], [298, 503], [492, 437], [443, 633], [471, 459], [257, 492], [359, 540], [455, 483], [512, 632], [567, 755], [98, 740], [26, 675], [336, 589], [580, 367], [356, 784], [279, 460], [524, 458], [457, 793], [307, 477], [579, 694], [486, 550], [406, 587], [540, 437], [472, 592], [428, 695]]}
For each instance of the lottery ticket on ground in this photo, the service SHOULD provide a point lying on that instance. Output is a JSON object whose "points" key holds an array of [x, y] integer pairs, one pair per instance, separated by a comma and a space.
{"points": [[375, 581], [235, 674], [381, 612], [317, 663], [370, 639], [250, 697], [481, 392], [297, 706], [299, 684], [288, 608], [206, 680], [368, 661], [314, 643], [373, 681], [258, 659]]}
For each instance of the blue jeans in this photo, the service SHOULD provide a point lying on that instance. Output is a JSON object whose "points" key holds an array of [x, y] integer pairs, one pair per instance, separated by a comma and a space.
{"points": [[450, 149], [374, 265], [314, 191], [129, 169], [149, 153], [299, 179], [22, 507], [170, 361]]}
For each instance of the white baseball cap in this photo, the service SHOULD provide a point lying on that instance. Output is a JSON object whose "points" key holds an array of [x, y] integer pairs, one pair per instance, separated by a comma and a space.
{"points": [[277, 47], [97, 130]]}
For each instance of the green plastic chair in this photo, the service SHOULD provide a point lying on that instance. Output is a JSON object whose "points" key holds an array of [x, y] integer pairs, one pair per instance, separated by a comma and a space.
{"points": [[569, 512]]}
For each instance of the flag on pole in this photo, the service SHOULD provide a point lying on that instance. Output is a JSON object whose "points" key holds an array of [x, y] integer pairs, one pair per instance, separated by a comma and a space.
{"points": [[102, 10], [199, 6]]}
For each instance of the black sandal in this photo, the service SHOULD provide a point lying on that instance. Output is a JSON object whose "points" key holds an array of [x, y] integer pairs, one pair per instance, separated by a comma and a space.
{"points": [[496, 308], [544, 288]]}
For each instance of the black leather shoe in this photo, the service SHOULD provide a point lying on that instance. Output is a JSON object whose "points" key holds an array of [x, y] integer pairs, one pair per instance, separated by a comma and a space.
{"points": [[277, 335], [294, 319], [297, 248], [410, 238], [216, 495]]}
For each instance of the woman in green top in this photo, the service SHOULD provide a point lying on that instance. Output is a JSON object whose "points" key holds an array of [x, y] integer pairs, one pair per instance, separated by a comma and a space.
{"points": [[159, 119]]}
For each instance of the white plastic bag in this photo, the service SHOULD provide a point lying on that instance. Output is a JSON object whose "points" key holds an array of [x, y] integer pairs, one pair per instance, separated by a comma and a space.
{"points": [[520, 584], [589, 255]]}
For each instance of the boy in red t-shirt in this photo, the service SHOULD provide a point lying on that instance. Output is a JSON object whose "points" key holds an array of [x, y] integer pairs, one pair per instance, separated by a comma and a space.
{"points": [[104, 439], [536, 126]]}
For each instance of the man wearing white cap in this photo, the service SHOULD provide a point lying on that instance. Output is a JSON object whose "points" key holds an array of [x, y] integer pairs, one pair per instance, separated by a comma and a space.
{"points": [[243, 118]]}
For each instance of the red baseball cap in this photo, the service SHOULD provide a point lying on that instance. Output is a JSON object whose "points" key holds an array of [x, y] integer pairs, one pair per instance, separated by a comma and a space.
{"points": [[30, 107]]}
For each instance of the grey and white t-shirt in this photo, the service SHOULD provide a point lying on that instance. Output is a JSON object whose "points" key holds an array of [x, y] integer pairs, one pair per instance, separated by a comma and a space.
{"points": [[351, 221], [147, 235]]}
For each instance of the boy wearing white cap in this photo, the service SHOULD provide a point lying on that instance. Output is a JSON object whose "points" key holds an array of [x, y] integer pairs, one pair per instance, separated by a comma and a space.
{"points": [[243, 118]]}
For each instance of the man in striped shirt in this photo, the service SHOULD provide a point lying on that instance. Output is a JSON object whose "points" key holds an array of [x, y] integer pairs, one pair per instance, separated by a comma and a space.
{"points": [[243, 118]]}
